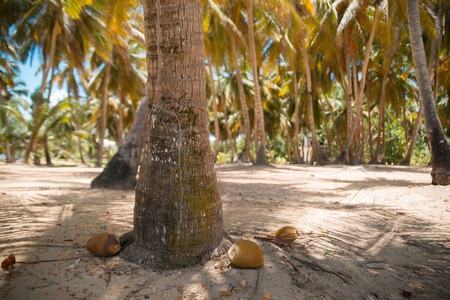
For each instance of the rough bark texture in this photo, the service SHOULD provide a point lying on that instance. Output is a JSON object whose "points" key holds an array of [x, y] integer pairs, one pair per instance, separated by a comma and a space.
{"points": [[178, 210], [440, 148], [245, 155], [259, 114], [120, 172]]}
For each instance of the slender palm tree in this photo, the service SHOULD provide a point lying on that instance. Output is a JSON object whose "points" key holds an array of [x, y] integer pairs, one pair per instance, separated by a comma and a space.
{"points": [[344, 32], [297, 15], [440, 148], [236, 38], [259, 114], [178, 212], [116, 15]]}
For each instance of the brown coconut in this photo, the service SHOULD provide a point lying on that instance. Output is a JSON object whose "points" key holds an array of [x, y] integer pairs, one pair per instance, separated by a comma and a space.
{"points": [[103, 244], [286, 233], [245, 254]]}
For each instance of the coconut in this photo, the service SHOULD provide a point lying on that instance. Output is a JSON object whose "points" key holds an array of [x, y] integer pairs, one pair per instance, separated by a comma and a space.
{"points": [[103, 244], [286, 233], [245, 254]]}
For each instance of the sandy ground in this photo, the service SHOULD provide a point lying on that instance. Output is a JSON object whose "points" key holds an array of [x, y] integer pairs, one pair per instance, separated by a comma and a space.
{"points": [[372, 232]]}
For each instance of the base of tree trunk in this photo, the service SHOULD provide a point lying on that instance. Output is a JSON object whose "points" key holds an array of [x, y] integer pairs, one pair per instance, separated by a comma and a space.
{"points": [[37, 160], [355, 161], [131, 252], [405, 163], [324, 159], [440, 177], [245, 157], [343, 158], [117, 175], [261, 158]]}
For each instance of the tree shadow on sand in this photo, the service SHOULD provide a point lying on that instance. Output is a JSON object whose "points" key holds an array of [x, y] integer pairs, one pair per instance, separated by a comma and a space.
{"points": [[403, 251]]}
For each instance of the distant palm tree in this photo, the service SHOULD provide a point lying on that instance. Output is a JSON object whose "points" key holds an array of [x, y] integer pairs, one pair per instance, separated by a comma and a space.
{"points": [[47, 25], [259, 113], [118, 28], [440, 148], [8, 84]]}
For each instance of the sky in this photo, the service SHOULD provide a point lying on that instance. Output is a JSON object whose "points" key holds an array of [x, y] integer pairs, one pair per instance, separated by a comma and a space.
{"points": [[32, 78]]}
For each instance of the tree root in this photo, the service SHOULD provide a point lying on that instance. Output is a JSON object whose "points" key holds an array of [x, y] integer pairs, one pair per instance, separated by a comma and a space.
{"points": [[440, 177], [222, 248], [134, 253]]}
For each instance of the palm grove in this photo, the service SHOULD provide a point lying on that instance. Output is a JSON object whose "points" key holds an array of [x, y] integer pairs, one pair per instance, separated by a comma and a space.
{"points": [[286, 81]]}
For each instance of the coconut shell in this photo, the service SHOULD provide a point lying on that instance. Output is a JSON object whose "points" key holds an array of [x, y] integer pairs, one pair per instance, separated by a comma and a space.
{"points": [[245, 254], [286, 233], [9, 262], [103, 244]]}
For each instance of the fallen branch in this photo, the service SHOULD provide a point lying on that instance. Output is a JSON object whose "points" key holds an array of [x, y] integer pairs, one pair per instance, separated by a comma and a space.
{"points": [[275, 241], [293, 277], [317, 267]]}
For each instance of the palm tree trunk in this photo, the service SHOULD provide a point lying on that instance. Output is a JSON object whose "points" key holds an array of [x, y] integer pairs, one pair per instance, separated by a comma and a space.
{"points": [[120, 172], [78, 127], [324, 117], [354, 125], [407, 160], [255, 132], [330, 109], [288, 134], [270, 151], [350, 95], [9, 157], [227, 129], [369, 118], [104, 115], [48, 158], [120, 121], [437, 51], [409, 152], [288, 144], [321, 156], [178, 211], [405, 123], [259, 113], [440, 148], [360, 90], [381, 109], [298, 159], [245, 156], [37, 105], [214, 103]]}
